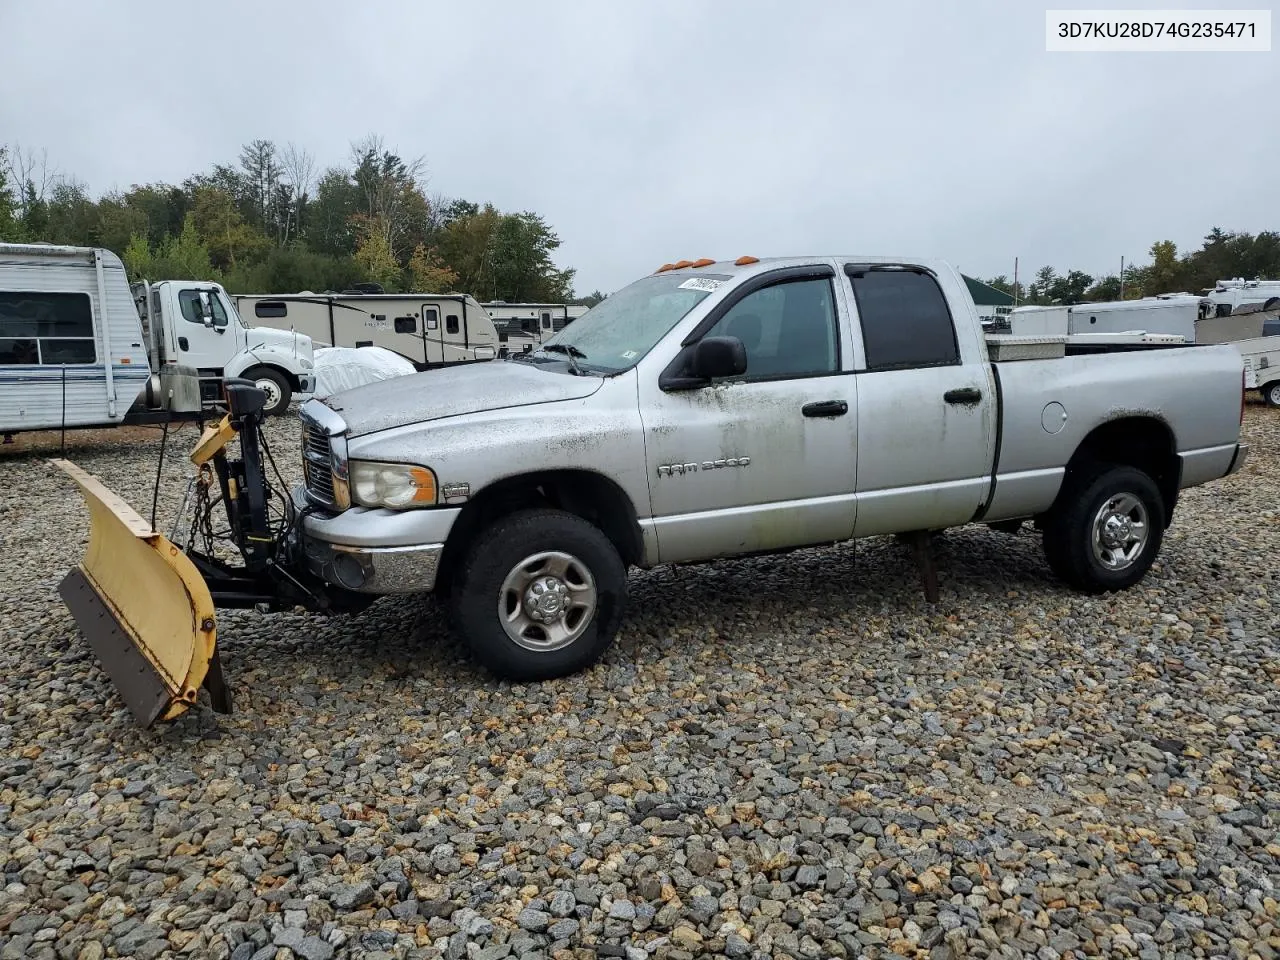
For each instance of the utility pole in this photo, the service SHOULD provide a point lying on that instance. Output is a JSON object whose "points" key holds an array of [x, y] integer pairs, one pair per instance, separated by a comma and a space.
{"points": [[1122, 278], [1015, 281]]}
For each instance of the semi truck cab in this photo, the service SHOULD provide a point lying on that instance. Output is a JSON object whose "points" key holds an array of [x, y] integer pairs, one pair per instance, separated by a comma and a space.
{"points": [[195, 324]]}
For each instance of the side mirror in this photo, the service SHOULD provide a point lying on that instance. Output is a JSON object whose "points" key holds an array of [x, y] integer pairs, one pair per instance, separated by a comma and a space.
{"points": [[206, 308], [715, 357]]}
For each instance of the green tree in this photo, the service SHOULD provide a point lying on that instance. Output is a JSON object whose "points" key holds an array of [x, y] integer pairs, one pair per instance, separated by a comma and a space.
{"points": [[373, 254], [428, 273], [9, 230], [71, 217], [223, 230], [329, 217], [137, 257], [183, 257], [1043, 283], [118, 222]]}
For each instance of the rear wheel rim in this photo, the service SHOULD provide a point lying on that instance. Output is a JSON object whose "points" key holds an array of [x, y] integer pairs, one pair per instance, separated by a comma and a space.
{"points": [[546, 601], [1121, 529], [1273, 394]]}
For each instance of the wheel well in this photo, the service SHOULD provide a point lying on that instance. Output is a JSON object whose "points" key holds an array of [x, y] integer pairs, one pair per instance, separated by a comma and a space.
{"points": [[591, 496], [290, 379], [1140, 441]]}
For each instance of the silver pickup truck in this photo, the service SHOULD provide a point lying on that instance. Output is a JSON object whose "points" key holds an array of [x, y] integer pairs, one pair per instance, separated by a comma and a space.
{"points": [[720, 409]]}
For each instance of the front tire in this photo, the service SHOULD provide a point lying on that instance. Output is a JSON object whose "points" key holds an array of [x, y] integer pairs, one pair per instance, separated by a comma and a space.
{"points": [[1271, 393], [540, 594], [275, 385], [1108, 529]]}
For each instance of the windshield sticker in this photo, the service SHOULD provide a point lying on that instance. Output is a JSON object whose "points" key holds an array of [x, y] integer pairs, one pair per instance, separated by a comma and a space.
{"points": [[701, 283], [630, 354]]}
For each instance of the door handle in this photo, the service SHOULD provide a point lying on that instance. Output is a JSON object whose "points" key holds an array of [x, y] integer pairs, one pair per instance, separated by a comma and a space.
{"points": [[182, 343], [963, 395], [825, 408]]}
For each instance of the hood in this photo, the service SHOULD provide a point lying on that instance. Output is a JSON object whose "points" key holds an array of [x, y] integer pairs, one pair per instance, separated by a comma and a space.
{"points": [[454, 391], [283, 341]]}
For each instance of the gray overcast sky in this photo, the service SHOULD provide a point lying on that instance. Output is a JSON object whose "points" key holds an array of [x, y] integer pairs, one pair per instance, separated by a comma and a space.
{"points": [[653, 131]]}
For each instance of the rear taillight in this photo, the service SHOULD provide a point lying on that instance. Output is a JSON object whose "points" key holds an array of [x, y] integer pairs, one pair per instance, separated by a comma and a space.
{"points": [[1242, 382]]}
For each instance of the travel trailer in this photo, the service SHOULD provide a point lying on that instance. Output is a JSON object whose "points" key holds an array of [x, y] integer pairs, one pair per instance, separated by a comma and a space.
{"points": [[429, 329], [525, 325], [75, 350], [1229, 295]]}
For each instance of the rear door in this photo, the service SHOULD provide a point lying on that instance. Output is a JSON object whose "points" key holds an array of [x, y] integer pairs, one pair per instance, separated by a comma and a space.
{"points": [[765, 461], [926, 410]]}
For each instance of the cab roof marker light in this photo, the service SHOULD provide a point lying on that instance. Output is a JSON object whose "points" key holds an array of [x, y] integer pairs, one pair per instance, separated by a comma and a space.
{"points": [[704, 262], [744, 260], [682, 264], [665, 267]]}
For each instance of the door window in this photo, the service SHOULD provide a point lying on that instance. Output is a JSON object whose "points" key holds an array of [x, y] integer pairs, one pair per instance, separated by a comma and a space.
{"points": [[46, 328], [788, 329], [430, 318], [905, 320], [189, 301]]}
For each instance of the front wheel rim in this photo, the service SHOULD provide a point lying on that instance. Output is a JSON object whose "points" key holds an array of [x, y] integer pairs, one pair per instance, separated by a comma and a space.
{"points": [[547, 601], [1121, 528], [1274, 394], [271, 389]]}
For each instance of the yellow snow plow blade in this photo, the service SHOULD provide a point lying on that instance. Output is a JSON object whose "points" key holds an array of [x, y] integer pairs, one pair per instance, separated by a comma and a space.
{"points": [[143, 607]]}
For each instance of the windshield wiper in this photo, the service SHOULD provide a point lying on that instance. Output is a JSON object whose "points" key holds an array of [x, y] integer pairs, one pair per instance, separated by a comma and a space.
{"points": [[570, 351]]}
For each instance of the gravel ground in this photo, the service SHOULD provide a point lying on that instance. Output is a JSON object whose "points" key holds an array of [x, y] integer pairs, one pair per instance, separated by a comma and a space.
{"points": [[785, 757]]}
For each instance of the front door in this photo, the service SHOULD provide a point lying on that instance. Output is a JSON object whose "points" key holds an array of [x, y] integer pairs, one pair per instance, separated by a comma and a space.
{"points": [[925, 413], [766, 461], [200, 343]]}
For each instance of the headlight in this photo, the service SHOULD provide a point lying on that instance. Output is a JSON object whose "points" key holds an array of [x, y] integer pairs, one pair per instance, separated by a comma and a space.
{"points": [[305, 363], [397, 486]]}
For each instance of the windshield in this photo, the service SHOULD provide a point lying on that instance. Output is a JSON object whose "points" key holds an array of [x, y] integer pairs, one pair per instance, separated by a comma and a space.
{"points": [[616, 333]]}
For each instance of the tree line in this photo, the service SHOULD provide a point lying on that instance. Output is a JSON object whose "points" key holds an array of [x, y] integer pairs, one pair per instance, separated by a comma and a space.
{"points": [[274, 222], [1222, 256]]}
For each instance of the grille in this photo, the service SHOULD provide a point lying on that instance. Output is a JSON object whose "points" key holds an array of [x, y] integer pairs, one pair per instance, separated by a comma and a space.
{"points": [[317, 464]]}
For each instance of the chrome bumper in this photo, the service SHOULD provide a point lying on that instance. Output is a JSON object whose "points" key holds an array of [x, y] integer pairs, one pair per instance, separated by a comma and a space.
{"points": [[1242, 454], [378, 570], [375, 551]]}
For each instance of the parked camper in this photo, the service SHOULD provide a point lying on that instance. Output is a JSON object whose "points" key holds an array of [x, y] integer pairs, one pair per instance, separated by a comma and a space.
{"points": [[78, 350], [1229, 295], [527, 324], [428, 330]]}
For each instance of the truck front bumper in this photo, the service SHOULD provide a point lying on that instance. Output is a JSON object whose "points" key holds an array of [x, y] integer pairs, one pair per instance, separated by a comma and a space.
{"points": [[376, 551]]}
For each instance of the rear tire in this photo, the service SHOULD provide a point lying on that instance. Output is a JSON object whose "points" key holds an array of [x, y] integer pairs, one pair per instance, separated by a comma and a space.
{"points": [[1271, 393], [540, 594], [1108, 529], [275, 385]]}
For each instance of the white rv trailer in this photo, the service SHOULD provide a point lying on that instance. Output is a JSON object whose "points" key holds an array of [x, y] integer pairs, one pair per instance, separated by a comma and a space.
{"points": [[427, 329], [72, 351], [525, 325], [75, 351], [1228, 295]]}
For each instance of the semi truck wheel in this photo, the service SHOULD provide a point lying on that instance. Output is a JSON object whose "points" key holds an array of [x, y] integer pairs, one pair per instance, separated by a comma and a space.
{"points": [[1271, 393], [539, 595], [275, 385], [1108, 530]]}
